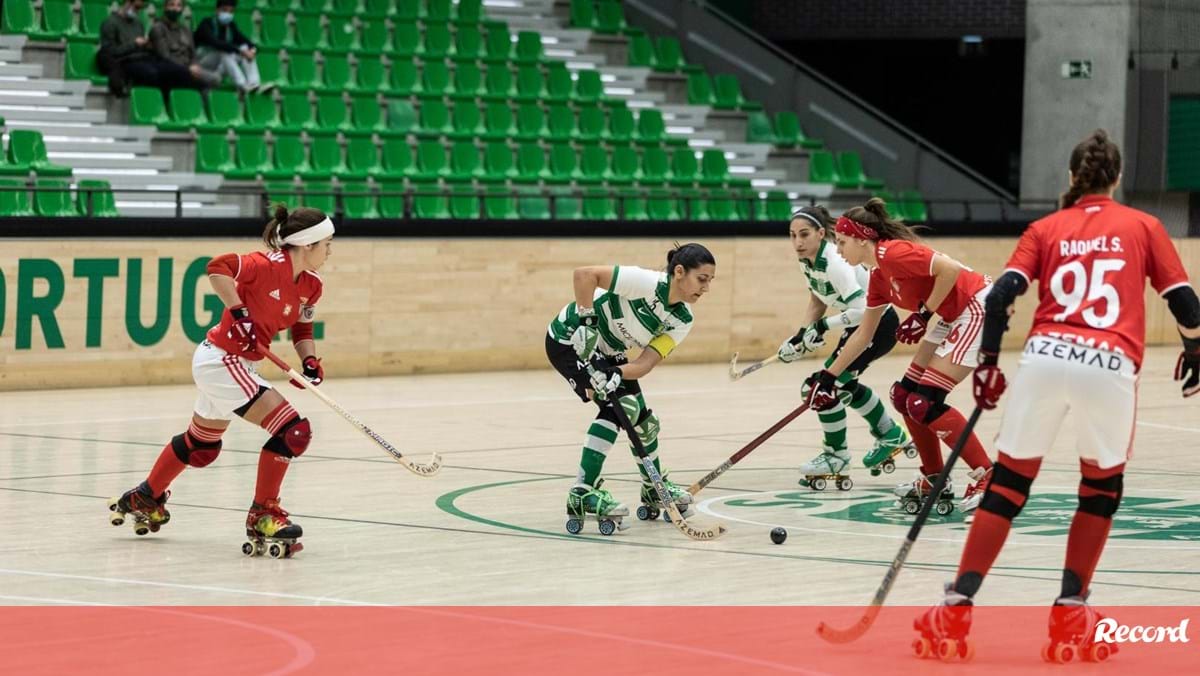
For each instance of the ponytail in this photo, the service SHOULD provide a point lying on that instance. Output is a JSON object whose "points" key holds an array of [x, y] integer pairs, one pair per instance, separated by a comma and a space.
{"points": [[284, 224], [690, 256], [1095, 167], [874, 214]]}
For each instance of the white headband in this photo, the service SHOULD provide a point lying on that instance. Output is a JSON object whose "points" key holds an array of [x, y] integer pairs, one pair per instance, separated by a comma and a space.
{"points": [[311, 234], [805, 214]]}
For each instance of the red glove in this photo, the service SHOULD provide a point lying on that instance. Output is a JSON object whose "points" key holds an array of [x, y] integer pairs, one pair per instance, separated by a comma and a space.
{"points": [[913, 327], [822, 390], [988, 382], [242, 329], [313, 372]]}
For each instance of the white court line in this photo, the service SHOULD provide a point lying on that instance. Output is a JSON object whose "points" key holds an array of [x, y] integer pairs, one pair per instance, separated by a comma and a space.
{"points": [[434, 611], [65, 602], [1169, 427], [707, 509]]}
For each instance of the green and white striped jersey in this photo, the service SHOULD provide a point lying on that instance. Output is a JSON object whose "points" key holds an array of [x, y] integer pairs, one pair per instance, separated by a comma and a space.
{"points": [[837, 284], [632, 312]]}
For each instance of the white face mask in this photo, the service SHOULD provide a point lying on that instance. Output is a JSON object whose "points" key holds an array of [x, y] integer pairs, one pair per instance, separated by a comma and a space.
{"points": [[131, 13], [224, 17]]}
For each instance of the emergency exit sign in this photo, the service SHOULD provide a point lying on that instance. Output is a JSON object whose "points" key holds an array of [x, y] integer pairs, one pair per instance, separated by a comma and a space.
{"points": [[1077, 70]]}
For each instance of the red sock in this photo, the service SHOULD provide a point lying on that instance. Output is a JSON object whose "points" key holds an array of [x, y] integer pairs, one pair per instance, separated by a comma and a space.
{"points": [[1089, 532], [271, 468], [949, 427], [990, 529], [169, 466], [927, 445]]}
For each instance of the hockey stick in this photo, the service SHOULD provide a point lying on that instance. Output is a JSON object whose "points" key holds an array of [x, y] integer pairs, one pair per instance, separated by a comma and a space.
{"points": [[856, 631], [736, 457], [734, 374], [419, 468], [693, 532]]}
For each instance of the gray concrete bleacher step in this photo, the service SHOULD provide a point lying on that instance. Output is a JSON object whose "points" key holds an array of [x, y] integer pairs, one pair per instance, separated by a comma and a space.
{"points": [[74, 87], [167, 210], [34, 97], [56, 144], [15, 69], [40, 114], [87, 159], [85, 131]]}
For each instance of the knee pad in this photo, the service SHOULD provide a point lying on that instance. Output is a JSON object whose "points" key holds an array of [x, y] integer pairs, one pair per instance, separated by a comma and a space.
{"points": [[899, 394], [1004, 486], [647, 428], [292, 439], [1101, 497], [632, 407], [926, 404], [193, 452], [848, 392]]}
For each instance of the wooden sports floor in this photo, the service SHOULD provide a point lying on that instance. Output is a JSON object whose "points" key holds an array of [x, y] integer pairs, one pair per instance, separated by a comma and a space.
{"points": [[489, 529]]}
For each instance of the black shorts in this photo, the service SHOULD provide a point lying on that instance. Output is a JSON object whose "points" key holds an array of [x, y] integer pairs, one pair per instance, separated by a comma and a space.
{"points": [[881, 343], [566, 362]]}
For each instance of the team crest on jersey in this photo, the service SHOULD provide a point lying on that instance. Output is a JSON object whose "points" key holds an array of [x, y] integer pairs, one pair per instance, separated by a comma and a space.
{"points": [[274, 294], [307, 312], [287, 309]]}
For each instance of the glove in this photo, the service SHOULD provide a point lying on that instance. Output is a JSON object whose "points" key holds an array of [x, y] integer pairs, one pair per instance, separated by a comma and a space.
{"points": [[1187, 369], [242, 329], [792, 349], [586, 336], [804, 342], [313, 372], [822, 390], [605, 380], [814, 336], [988, 381], [913, 327]]}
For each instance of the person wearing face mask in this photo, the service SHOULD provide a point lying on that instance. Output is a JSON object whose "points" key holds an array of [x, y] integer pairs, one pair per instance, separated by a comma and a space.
{"points": [[172, 41], [127, 57], [223, 48]]}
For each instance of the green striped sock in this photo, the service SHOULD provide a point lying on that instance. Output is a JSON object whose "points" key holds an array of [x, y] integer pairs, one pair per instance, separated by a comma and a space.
{"points": [[833, 422], [866, 404], [600, 437]]}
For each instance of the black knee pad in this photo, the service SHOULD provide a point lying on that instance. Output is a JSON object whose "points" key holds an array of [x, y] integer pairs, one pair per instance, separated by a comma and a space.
{"points": [[926, 404], [292, 439], [1102, 505], [193, 452], [998, 504]]}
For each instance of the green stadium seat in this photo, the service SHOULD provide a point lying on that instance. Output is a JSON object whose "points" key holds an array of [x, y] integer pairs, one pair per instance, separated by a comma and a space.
{"points": [[404, 79], [58, 20], [312, 5], [358, 201], [641, 51], [914, 206], [335, 73], [81, 62], [224, 111], [291, 158], [593, 165], [529, 48], [464, 161], [589, 88], [700, 89], [14, 198], [560, 88], [378, 8], [499, 203], [530, 84], [187, 111], [655, 167], [406, 10], [823, 169], [598, 205], [499, 83], [610, 17], [286, 192], [18, 17], [406, 39], [53, 199], [631, 204], [370, 75], [464, 201], [531, 122], [397, 158], [851, 169], [729, 94], [437, 11], [468, 122], [251, 157], [564, 164], [692, 205], [661, 205], [362, 158], [320, 195], [468, 44], [401, 117], [375, 37], [261, 112], [469, 12], [343, 36], [468, 81], [431, 160], [565, 204], [438, 43], [309, 34], [325, 155], [146, 106], [498, 44], [714, 168], [531, 164], [621, 125], [91, 16], [27, 148], [346, 7], [684, 167], [297, 112], [429, 201], [498, 164], [391, 199], [561, 123], [435, 80], [212, 154], [592, 123], [367, 115], [624, 165], [668, 55], [583, 14], [301, 73], [775, 207], [759, 129], [435, 119], [500, 124], [652, 130], [244, 17], [533, 204], [721, 206], [270, 68], [789, 132], [274, 32]]}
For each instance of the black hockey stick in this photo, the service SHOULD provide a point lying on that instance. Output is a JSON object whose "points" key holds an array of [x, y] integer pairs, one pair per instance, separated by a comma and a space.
{"points": [[745, 450], [856, 631]]}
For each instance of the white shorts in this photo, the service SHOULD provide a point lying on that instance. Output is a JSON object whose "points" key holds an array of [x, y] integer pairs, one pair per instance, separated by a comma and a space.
{"points": [[226, 382], [961, 338], [1097, 387]]}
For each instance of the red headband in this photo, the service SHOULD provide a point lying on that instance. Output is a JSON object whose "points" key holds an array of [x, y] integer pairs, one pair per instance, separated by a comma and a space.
{"points": [[851, 227]]}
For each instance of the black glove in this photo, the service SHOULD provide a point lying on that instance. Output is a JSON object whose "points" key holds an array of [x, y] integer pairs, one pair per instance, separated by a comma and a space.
{"points": [[1187, 369]]}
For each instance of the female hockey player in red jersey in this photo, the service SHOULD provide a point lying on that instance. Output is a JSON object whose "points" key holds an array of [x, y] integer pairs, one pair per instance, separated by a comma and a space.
{"points": [[264, 293], [1082, 357], [914, 277]]}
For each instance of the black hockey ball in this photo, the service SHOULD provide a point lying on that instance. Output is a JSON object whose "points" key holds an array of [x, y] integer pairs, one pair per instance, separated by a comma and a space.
{"points": [[778, 535]]}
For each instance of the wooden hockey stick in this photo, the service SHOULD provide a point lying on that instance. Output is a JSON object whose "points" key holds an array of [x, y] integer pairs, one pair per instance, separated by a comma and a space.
{"points": [[693, 532], [734, 374], [855, 631], [745, 450], [419, 468]]}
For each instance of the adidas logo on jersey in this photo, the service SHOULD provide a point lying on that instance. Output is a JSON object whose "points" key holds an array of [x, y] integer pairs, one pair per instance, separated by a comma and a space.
{"points": [[274, 294]]}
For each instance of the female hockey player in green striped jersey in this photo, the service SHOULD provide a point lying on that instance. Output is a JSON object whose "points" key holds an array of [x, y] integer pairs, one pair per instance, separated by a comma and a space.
{"points": [[616, 309], [838, 286]]}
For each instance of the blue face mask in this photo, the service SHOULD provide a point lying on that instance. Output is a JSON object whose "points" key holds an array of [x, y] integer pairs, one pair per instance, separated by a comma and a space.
{"points": [[131, 13], [225, 17]]}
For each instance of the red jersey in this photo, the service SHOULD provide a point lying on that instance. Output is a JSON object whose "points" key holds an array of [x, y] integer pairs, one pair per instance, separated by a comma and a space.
{"points": [[1093, 259], [265, 286], [905, 279]]}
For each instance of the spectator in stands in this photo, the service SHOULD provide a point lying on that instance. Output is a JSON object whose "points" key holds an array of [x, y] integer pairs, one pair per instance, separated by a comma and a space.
{"points": [[172, 40], [225, 49], [126, 56]]}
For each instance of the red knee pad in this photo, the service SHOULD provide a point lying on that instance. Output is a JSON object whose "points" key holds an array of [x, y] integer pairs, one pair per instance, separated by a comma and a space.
{"points": [[292, 439], [195, 453], [899, 394], [917, 406]]}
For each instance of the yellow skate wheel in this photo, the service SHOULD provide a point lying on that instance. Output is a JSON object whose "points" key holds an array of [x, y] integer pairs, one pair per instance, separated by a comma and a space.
{"points": [[1062, 653], [276, 550], [1097, 652], [922, 647], [966, 650], [248, 548], [140, 528], [117, 518], [947, 649]]}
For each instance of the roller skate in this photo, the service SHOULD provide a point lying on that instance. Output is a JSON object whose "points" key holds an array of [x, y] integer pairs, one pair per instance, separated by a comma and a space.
{"points": [[148, 514], [973, 495], [943, 629], [270, 532], [1072, 627], [651, 507], [829, 466], [880, 459], [912, 493], [585, 502]]}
